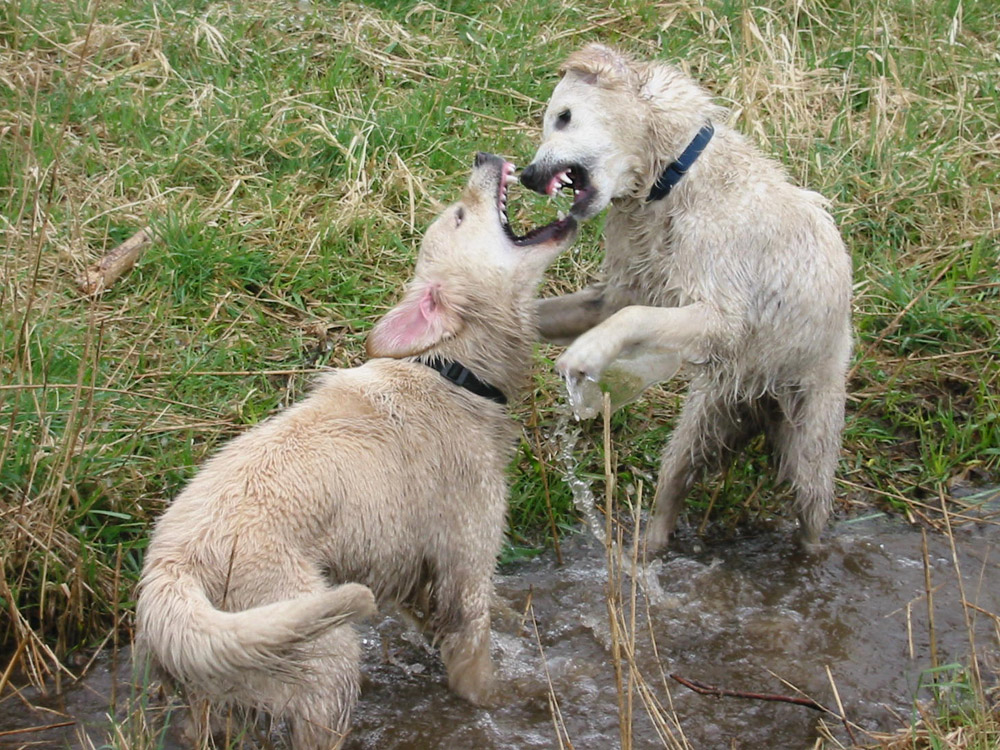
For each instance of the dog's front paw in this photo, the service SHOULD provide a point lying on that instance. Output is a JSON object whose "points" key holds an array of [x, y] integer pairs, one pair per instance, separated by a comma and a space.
{"points": [[477, 686], [809, 543], [586, 358]]}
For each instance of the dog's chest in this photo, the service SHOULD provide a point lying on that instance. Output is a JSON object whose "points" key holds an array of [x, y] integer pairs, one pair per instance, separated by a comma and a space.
{"points": [[640, 264]]}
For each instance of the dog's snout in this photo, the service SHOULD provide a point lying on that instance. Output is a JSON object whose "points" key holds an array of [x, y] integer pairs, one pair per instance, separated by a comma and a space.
{"points": [[531, 177], [483, 158]]}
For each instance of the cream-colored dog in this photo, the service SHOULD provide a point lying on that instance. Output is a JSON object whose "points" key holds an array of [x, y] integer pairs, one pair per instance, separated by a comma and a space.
{"points": [[388, 478], [714, 259]]}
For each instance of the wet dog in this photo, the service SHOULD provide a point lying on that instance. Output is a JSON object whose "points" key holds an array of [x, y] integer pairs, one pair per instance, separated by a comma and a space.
{"points": [[714, 259], [387, 483]]}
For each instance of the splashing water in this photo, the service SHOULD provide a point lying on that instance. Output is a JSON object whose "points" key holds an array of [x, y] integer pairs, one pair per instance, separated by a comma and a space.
{"points": [[567, 437], [624, 380], [733, 617], [584, 397]]}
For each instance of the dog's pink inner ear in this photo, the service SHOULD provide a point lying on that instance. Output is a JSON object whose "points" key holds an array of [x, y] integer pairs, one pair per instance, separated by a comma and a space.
{"points": [[416, 324]]}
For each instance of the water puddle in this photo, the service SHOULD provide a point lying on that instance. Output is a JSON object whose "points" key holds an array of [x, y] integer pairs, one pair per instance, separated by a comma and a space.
{"points": [[743, 615]]}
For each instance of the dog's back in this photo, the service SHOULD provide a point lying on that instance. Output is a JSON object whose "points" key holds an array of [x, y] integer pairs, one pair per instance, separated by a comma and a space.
{"points": [[765, 252]]}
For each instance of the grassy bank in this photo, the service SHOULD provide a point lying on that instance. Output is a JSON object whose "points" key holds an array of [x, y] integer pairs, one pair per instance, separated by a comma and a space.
{"points": [[287, 155]]}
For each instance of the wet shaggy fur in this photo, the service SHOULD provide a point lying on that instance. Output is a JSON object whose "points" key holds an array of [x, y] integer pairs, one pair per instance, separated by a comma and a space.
{"points": [[386, 483], [737, 272]]}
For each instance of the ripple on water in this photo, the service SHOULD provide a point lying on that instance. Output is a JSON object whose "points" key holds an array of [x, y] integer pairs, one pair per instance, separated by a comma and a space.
{"points": [[739, 614]]}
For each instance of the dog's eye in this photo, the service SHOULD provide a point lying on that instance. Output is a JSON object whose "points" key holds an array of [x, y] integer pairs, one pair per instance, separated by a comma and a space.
{"points": [[562, 120], [459, 216]]}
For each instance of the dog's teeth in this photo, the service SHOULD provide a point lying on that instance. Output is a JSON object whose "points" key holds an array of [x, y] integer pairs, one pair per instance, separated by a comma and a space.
{"points": [[566, 179]]}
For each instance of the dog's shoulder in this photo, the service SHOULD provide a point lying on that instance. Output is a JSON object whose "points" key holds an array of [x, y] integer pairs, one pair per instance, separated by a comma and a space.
{"points": [[393, 387]]}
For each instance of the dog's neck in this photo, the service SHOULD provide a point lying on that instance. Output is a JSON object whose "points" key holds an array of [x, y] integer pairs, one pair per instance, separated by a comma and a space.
{"points": [[495, 349], [674, 172], [463, 377]]}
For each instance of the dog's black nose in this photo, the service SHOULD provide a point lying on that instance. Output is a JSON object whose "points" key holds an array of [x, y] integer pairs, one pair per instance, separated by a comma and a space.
{"points": [[533, 179]]}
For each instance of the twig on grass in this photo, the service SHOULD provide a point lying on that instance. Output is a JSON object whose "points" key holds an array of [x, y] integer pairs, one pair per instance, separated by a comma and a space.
{"points": [[929, 590], [5, 677], [840, 706], [101, 275], [614, 585]]}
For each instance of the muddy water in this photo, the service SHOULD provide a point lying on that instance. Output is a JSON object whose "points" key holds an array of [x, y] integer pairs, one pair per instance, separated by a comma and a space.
{"points": [[742, 615]]}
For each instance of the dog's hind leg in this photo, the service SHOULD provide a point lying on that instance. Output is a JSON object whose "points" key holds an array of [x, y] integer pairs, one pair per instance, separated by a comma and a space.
{"points": [[807, 441], [311, 679], [709, 432], [320, 702], [465, 646]]}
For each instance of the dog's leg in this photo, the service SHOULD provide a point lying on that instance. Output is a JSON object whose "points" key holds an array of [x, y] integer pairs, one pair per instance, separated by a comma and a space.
{"points": [[465, 649], [320, 702], [807, 441], [709, 432], [668, 329], [561, 319], [315, 684], [201, 721]]}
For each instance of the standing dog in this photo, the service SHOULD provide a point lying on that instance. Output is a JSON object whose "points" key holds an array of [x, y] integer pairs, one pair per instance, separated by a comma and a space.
{"points": [[712, 257], [388, 478]]}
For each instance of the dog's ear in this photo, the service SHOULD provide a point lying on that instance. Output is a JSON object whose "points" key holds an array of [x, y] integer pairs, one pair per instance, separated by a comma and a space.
{"points": [[424, 318], [596, 63]]}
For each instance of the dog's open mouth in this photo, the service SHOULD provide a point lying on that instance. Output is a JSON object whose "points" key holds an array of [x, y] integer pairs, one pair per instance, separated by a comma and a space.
{"points": [[572, 177], [553, 231]]}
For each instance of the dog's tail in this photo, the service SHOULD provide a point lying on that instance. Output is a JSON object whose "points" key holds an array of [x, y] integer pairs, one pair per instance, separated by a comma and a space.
{"points": [[200, 645]]}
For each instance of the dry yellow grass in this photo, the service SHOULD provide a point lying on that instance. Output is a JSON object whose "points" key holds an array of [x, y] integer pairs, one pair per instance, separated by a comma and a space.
{"points": [[287, 155]]}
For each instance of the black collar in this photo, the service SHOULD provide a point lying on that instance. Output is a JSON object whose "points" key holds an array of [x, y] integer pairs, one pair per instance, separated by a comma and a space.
{"points": [[675, 170], [462, 376]]}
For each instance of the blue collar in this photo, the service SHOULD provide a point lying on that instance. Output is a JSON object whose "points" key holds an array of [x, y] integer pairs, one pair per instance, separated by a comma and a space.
{"points": [[675, 170], [463, 377]]}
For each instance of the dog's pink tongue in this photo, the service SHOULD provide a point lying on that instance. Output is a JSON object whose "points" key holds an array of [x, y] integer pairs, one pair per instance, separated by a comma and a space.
{"points": [[555, 184]]}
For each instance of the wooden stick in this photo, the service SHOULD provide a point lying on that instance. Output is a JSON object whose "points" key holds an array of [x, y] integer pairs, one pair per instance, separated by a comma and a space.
{"points": [[5, 677], [703, 689], [101, 275], [57, 725]]}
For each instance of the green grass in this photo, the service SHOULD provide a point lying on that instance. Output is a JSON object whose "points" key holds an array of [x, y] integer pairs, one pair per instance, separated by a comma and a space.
{"points": [[288, 156]]}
